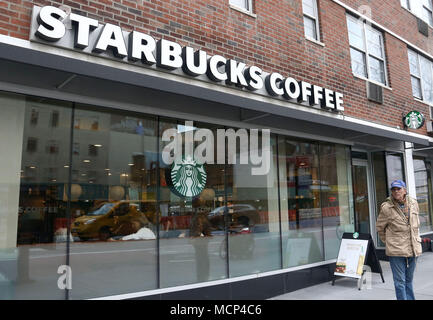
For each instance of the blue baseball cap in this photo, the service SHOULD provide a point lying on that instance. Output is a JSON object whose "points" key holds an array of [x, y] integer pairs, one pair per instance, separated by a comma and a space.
{"points": [[398, 184]]}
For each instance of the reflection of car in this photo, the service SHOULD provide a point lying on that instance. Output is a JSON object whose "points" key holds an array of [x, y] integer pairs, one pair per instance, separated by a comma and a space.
{"points": [[99, 223], [242, 219], [239, 215]]}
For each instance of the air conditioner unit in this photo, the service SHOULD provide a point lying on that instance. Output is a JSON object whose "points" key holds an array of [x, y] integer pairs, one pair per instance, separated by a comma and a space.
{"points": [[429, 126], [374, 92], [422, 27]]}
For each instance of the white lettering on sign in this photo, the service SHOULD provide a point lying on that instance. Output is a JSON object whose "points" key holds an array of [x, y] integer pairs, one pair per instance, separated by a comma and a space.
{"points": [[136, 46]]}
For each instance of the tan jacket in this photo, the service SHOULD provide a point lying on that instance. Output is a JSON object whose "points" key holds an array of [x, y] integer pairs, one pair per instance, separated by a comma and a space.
{"points": [[401, 238]]}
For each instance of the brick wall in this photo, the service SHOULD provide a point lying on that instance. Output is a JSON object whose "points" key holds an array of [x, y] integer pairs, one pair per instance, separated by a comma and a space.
{"points": [[273, 40]]}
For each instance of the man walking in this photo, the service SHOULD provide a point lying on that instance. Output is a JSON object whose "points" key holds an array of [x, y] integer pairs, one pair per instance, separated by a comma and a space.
{"points": [[398, 228]]}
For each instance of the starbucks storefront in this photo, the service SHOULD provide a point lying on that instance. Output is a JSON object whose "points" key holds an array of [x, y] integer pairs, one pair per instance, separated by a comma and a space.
{"points": [[128, 181], [100, 174]]}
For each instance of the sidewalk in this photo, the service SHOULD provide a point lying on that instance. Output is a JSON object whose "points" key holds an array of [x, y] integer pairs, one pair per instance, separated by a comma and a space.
{"points": [[346, 288]]}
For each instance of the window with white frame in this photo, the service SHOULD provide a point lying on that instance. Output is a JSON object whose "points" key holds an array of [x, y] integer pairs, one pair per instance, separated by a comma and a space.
{"points": [[405, 4], [311, 19], [246, 5], [427, 11], [421, 70], [421, 8], [366, 50]]}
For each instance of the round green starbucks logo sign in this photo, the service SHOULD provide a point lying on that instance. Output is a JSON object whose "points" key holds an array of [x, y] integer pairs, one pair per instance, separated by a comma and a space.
{"points": [[188, 177], [414, 120]]}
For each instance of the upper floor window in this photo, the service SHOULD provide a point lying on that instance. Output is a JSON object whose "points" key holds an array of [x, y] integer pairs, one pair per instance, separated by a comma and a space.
{"points": [[405, 4], [366, 50], [243, 4], [311, 19], [427, 11], [421, 8], [421, 70]]}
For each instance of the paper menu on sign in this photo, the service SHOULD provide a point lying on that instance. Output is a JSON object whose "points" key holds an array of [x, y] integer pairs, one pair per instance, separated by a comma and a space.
{"points": [[351, 258]]}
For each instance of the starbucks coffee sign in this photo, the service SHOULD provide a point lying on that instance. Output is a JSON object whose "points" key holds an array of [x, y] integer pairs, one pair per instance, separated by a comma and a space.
{"points": [[414, 120], [54, 26]]}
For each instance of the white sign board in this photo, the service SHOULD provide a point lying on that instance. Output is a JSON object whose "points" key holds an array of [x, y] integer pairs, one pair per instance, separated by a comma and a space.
{"points": [[351, 258]]}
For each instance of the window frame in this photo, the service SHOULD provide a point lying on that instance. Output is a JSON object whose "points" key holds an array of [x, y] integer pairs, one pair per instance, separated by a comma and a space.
{"points": [[428, 172], [407, 4], [315, 19], [430, 12], [248, 8], [418, 55], [422, 84], [418, 10], [421, 88], [366, 52]]}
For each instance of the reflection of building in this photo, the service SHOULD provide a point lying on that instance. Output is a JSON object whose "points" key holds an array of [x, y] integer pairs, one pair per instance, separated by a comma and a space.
{"points": [[80, 128]]}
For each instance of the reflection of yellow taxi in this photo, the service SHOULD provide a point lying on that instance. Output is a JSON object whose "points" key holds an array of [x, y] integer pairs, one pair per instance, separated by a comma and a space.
{"points": [[101, 222]]}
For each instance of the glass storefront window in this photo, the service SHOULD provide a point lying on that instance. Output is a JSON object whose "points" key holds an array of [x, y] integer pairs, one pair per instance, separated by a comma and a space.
{"points": [[336, 199], [113, 203], [315, 184], [192, 228], [387, 167], [381, 185], [394, 167], [253, 213], [137, 222], [33, 219], [301, 216], [423, 192]]}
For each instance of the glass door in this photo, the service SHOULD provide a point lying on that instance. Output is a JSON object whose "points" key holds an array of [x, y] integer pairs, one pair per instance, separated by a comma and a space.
{"points": [[362, 196]]}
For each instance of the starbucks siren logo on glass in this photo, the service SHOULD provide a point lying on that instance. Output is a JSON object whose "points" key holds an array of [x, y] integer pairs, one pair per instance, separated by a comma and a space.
{"points": [[188, 177]]}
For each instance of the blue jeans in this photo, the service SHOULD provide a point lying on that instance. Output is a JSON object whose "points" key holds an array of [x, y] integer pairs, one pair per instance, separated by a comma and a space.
{"points": [[402, 274]]}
